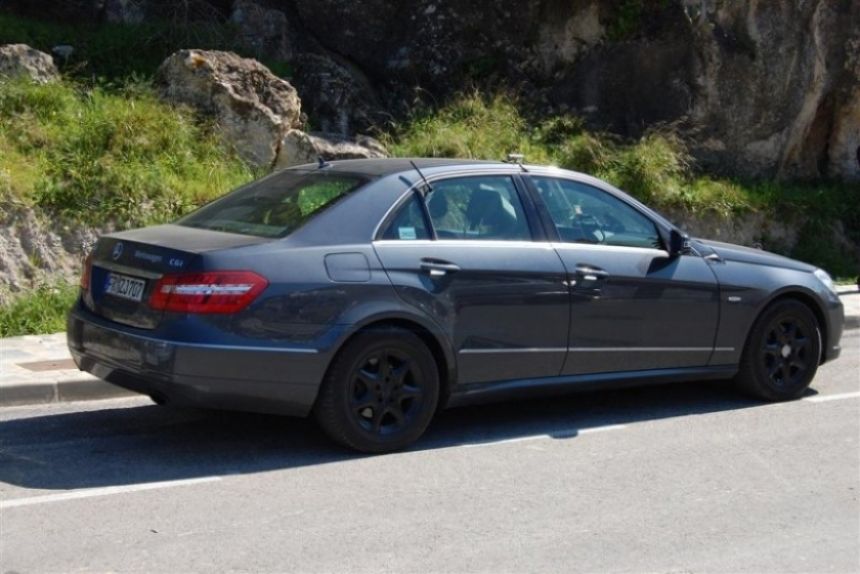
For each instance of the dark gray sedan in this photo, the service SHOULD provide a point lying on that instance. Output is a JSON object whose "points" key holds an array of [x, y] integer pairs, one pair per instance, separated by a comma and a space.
{"points": [[372, 293]]}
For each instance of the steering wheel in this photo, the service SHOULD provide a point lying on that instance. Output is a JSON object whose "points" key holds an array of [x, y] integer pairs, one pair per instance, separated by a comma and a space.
{"points": [[589, 227], [612, 224]]}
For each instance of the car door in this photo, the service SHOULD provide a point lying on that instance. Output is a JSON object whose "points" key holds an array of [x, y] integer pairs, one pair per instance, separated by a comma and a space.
{"points": [[465, 256], [633, 306]]}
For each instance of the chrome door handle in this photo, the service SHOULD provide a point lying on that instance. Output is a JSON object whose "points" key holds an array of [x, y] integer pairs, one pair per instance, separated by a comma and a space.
{"points": [[589, 273], [438, 267]]}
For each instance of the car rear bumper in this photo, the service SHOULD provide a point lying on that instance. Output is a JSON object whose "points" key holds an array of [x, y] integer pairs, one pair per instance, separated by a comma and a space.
{"points": [[261, 379]]}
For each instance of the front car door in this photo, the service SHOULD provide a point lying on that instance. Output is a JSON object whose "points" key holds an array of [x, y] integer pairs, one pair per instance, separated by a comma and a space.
{"points": [[633, 306], [465, 256]]}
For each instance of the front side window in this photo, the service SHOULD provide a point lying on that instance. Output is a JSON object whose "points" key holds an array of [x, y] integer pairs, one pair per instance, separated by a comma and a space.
{"points": [[479, 208], [584, 214], [274, 206]]}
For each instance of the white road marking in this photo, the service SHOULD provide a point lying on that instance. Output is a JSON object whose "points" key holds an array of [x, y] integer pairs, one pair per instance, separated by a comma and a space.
{"points": [[836, 397], [559, 434], [106, 491], [601, 429]]}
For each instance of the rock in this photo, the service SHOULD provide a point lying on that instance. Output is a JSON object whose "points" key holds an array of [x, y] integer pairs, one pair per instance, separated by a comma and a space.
{"points": [[337, 97], [562, 40], [253, 107], [35, 250], [750, 229], [772, 87], [844, 145], [22, 60], [264, 31], [299, 148]]}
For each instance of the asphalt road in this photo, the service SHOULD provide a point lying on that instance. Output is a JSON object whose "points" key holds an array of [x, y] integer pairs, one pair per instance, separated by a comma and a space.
{"points": [[681, 478]]}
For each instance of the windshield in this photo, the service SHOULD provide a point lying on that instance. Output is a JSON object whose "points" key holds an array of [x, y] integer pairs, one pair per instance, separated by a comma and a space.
{"points": [[274, 206]]}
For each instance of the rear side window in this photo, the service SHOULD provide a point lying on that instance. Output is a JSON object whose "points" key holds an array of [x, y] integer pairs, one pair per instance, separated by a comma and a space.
{"points": [[409, 222], [478, 208], [274, 206]]}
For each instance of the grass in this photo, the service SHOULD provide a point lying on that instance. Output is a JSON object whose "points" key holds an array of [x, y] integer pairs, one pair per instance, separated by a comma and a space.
{"points": [[656, 168], [42, 310], [108, 154]]}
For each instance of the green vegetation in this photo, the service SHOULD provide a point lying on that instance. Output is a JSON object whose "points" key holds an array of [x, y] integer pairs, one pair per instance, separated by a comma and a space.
{"points": [[111, 154], [42, 310]]}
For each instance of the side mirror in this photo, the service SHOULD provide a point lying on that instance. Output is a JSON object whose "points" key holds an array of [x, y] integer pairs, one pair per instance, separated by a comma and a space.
{"points": [[679, 243]]}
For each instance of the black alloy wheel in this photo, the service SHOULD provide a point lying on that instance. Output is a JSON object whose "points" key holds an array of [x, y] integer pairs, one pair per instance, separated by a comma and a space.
{"points": [[782, 353], [381, 391], [386, 391], [786, 352]]}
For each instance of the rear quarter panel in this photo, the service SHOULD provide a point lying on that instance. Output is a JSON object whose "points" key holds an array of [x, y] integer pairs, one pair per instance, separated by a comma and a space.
{"points": [[310, 304]]}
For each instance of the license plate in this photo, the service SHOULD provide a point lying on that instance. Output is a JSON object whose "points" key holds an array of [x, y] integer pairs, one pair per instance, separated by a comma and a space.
{"points": [[125, 287]]}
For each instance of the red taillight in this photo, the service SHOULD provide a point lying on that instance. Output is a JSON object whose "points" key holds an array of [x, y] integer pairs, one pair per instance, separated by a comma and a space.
{"points": [[86, 271], [209, 292]]}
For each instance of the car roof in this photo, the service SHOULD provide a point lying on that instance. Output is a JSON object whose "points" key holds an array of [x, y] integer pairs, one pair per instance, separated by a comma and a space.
{"points": [[387, 166], [364, 209]]}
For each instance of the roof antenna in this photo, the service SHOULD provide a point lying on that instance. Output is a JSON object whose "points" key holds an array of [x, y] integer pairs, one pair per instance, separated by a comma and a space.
{"points": [[517, 158], [321, 163], [426, 183]]}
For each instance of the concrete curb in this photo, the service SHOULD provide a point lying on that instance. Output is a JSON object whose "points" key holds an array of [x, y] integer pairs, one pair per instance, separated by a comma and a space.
{"points": [[81, 388]]}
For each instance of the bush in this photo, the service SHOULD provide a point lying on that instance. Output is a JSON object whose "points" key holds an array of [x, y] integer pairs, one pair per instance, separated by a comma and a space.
{"points": [[472, 126], [109, 154], [42, 310]]}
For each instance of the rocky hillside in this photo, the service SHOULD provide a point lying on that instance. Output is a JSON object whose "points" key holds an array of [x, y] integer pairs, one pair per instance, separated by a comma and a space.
{"points": [[709, 110], [757, 88]]}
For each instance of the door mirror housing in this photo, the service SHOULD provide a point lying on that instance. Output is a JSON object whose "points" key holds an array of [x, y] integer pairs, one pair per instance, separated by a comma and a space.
{"points": [[679, 243]]}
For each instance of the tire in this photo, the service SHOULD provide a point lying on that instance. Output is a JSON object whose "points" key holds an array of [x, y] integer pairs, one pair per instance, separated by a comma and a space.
{"points": [[782, 352], [380, 392], [159, 400]]}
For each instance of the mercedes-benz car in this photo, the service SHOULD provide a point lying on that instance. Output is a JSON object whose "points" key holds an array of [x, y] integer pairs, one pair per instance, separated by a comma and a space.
{"points": [[372, 293]]}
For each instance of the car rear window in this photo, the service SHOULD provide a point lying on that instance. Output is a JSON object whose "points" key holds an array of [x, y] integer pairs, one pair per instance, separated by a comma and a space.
{"points": [[274, 206]]}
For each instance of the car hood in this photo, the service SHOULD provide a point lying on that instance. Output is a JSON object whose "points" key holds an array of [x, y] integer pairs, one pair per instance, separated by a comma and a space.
{"points": [[731, 252]]}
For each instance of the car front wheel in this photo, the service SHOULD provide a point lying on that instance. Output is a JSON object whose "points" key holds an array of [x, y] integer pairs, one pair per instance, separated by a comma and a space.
{"points": [[380, 392], [782, 352]]}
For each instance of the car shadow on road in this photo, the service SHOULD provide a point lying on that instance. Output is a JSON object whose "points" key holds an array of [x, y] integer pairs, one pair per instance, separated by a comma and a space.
{"points": [[146, 443]]}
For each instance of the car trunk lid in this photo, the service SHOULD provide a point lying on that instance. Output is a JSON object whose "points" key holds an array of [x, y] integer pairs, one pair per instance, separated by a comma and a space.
{"points": [[126, 267]]}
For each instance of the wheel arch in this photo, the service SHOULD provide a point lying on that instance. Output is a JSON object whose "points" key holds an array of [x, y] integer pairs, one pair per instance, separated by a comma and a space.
{"points": [[429, 333]]}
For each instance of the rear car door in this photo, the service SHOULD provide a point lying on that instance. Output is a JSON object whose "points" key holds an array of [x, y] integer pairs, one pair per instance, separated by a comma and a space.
{"points": [[633, 306], [466, 258]]}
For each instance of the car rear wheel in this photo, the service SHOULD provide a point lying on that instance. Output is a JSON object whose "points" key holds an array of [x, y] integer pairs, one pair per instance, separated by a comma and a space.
{"points": [[380, 392], [782, 353]]}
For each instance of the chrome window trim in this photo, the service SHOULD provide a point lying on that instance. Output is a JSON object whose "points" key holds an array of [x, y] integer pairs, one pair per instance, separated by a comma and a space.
{"points": [[564, 245], [472, 351], [487, 243]]}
